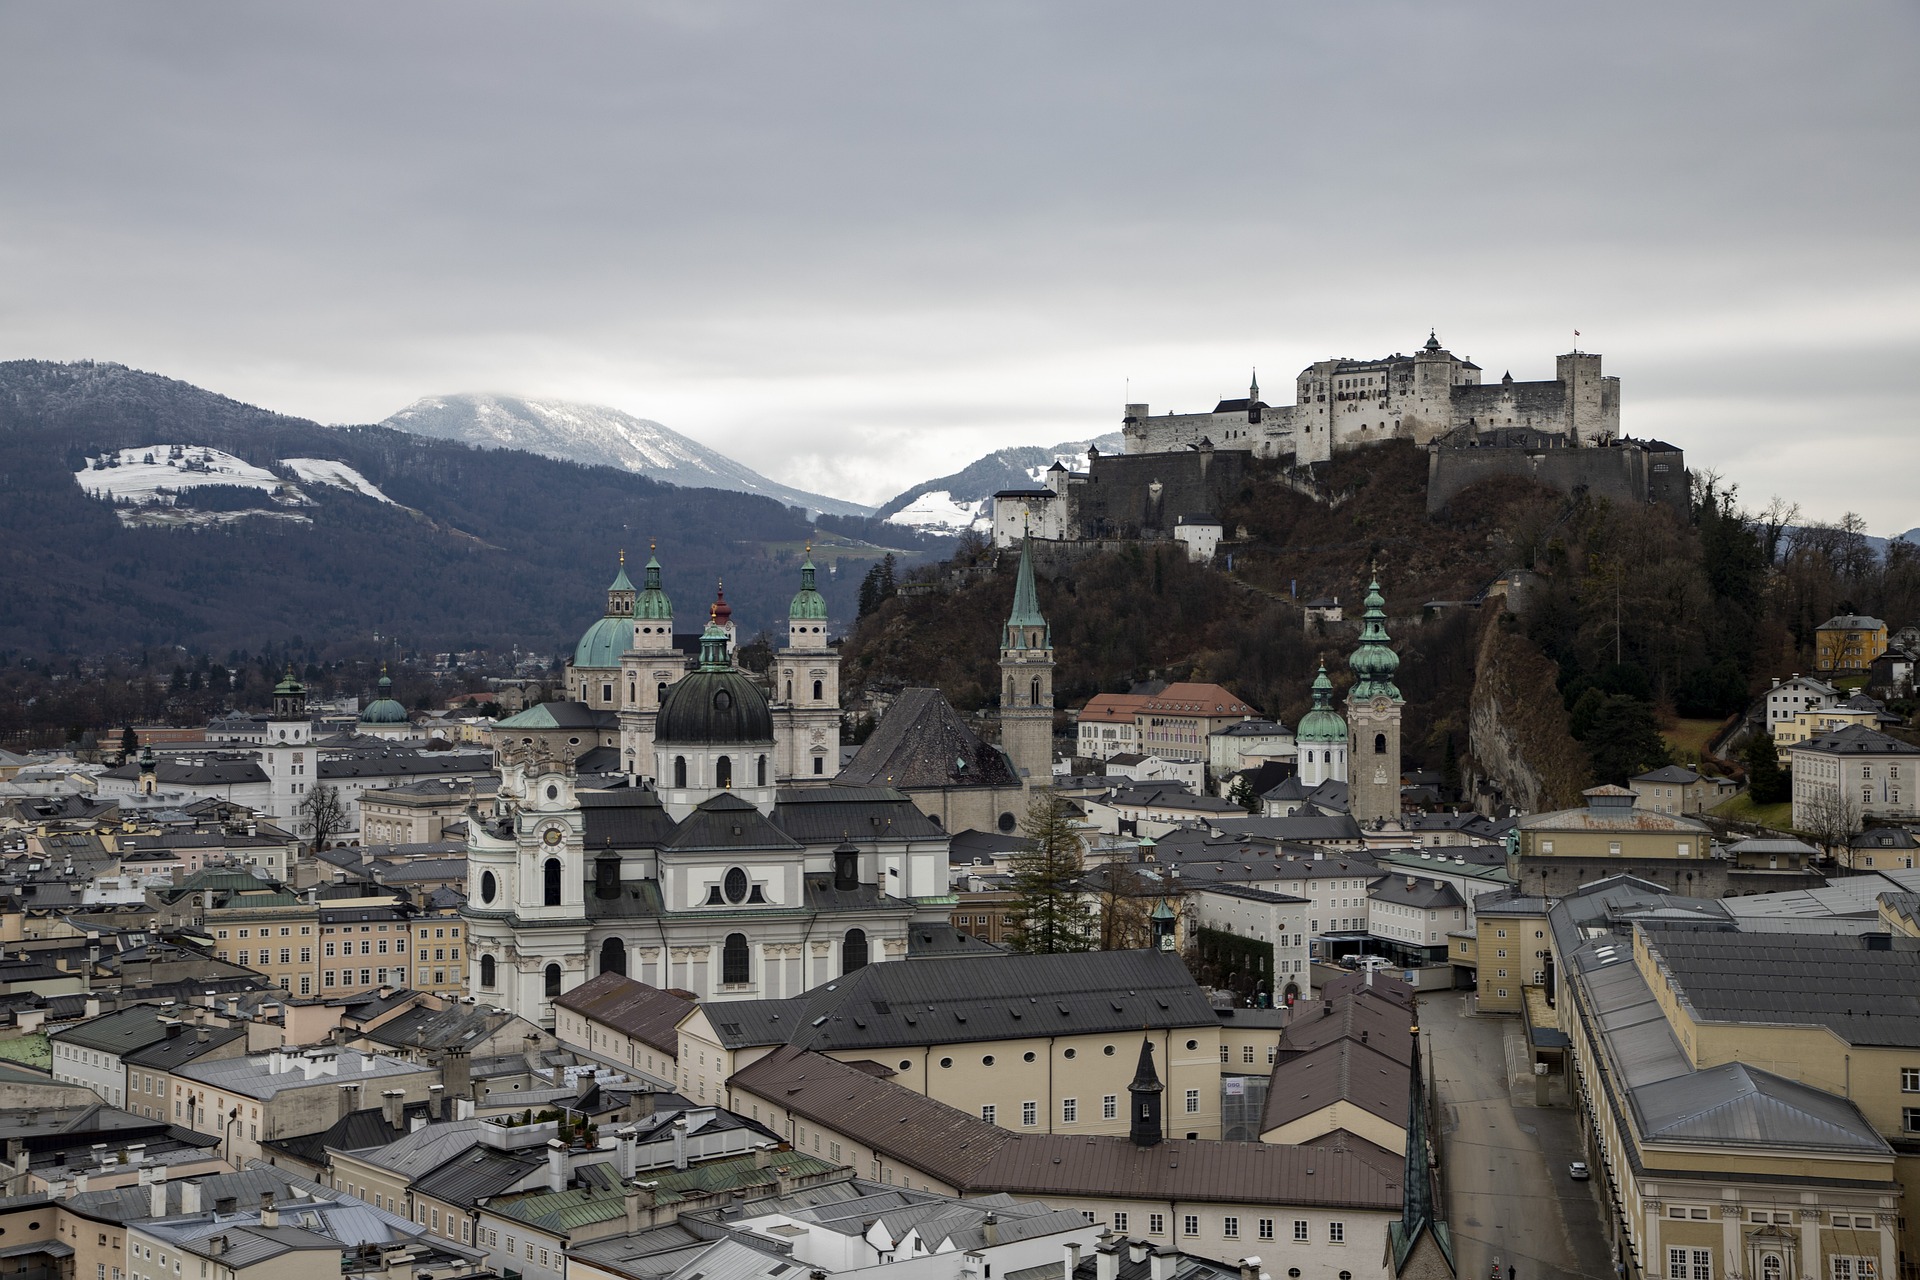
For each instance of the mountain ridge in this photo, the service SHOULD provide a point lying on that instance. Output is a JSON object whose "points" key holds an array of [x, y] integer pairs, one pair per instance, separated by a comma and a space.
{"points": [[597, 435], [967, 490]]}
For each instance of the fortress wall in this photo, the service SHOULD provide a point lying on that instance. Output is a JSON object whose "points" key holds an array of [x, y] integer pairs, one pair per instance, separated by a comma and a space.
{"points": [[1116, 499], [1618, 474]]}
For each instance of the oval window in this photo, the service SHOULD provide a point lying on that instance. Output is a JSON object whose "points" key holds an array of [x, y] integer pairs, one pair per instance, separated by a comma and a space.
{"points": [[1193, 1044], [488, 886], [987, 1061], [736, 885], [553, 792], [946, 1062], [722, 700], [1071, 1053]]}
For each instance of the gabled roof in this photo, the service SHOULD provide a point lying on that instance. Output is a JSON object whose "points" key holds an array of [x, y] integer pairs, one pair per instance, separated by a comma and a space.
{"points": [[1735, 1103], [726, 822], [921, 743], [648, 1014], [1672, 773], [1362, 1075]]}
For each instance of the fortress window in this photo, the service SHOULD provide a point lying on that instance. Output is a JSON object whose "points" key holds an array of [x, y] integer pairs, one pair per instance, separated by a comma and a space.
{"points": [[736, 964], [550, 895], [553, 980]]}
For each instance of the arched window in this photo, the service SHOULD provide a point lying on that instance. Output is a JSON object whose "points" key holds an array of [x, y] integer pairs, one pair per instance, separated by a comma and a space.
{"points": [[550, 888], [613, 956], [553, 979], [632, 694], [1769, 1266], [660, 693], [723, 773], [853, 951], [1034, 693], [1379, 744], [818, 690], [489, 971], [789, 691], [679, 771], [760, 772], [736, 965]]}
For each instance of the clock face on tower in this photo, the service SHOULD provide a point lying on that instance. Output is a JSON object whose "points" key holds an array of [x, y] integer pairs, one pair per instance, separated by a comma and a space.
{"points": [[553, 836]]}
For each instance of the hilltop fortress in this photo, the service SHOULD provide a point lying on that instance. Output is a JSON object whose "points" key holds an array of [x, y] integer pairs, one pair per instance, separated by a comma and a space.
{"points": [[1177, 468], [1344, 404]]}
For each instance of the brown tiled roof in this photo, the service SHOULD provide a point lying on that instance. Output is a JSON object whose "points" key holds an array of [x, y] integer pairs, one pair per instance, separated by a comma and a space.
{"points": [[1378, 1021], [646, 1013], [978, 1158], [1112, 708], [1190, 698], [1340, 1071]]}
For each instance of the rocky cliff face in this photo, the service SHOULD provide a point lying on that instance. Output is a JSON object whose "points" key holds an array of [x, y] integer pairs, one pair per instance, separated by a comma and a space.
{"points": [[1517, 725]]}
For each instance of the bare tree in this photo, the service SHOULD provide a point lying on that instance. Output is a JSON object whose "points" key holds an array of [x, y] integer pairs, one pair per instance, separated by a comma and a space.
{"points": [[322, 815], [1830, 816]]}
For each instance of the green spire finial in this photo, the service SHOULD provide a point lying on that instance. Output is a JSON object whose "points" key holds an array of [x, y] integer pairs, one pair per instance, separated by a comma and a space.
{"points": [[808, 604], [1026, 601], [713, 647], [652, 604], [1374, 662]]}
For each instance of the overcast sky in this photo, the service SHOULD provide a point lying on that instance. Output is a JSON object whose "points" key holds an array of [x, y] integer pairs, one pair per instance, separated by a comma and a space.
{"points": [[856, 246]]}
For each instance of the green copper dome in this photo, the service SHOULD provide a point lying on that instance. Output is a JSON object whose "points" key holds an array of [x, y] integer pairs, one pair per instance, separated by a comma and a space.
{"points": [[603, 644], [809, 605], [288, 686], [652, 604], [384, 710], [1323, 723], [1374, 662], [715, 703]]}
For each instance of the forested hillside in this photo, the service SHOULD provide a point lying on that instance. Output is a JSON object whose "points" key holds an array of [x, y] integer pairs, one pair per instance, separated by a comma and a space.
{"points": [[488, 548]]}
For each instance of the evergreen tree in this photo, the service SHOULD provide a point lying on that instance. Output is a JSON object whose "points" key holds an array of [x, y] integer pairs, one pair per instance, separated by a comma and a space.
{"points": [[1624, 740], [1767, 782], [1048, 914], [1241, 793]]}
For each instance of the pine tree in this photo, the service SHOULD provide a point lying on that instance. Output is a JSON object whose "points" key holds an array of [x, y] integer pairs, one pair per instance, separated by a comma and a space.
{"points": [[1767, 782], [1048, 914], [1241, 793]]}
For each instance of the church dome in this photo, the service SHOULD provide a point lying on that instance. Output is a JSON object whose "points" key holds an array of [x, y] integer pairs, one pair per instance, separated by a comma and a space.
{"points": [[808, 604], [603, 643], [1323, 723], [384, 709], [714, 703]]}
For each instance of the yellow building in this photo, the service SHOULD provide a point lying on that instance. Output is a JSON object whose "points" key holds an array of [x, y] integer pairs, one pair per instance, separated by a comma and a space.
{"points": [[1848, 642], [1808, 725], [1555, 853], [1512, 949], [1752, 1115]]}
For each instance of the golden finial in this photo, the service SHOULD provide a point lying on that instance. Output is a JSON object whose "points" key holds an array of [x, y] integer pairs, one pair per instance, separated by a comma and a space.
{"points": [[623, 557], [651, 546]]}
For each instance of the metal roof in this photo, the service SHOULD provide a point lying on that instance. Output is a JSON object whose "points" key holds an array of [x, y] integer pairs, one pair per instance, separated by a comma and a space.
{"points": [[1866, 996], [647, 1013]]}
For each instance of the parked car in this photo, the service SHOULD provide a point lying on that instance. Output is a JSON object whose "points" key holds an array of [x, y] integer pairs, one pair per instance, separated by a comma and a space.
{"points": [[1578, 1171]]}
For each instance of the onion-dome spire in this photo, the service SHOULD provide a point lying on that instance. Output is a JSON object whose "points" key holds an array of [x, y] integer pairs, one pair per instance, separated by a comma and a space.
{"points": [[720, 613], [1322, 723], [713, 645], [808, 605], [652, 603], [1374, 662]]}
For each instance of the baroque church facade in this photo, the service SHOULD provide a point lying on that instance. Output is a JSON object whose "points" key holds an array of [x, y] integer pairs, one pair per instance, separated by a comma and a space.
{"points": [[722, 856]]}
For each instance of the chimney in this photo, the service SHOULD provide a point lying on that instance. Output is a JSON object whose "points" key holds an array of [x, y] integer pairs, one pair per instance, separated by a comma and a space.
{"points": [[92, 1007], [1071, 1262], [680, 1144], [393, 1106], [556, 1165], [1249, 1269], [137, 1154], [1326, 1009], [226, 1204], [990, 1227], [641, 1103], [1137, 1251], [157, 1200], [1106, 1261], [628, 1140], [456, 1070], [1162, 1263], [1370, 969], [349, 1100], [218, 1245], [270, 1216], [639, 1206], [190, 1197], [437, 1101]]}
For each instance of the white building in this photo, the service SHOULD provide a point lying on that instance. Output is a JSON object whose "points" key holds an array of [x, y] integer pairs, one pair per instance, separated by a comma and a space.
{"points": [[1843, 778], [1788, 698], [1263, 915]]}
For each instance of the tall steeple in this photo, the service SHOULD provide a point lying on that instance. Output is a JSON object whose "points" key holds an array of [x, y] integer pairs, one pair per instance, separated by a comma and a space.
{"points": [[1026, 680], [1144, 1126], [1373, 719], [1418, 1222], [806, 693], [648, 667], [1253, 400]]}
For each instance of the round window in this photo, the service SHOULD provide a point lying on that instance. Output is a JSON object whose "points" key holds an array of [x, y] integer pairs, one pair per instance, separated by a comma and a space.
{"points": [[1108, 1051], [1071, 1053], [906, 1066], [946, 1062], [1193, 1044], [1007, 822], [1027, 1058], [736, 885], [488, 886], [987, 1061]]}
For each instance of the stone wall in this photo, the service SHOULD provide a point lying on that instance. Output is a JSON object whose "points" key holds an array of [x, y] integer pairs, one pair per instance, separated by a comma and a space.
{"points": [[1623, 473], [1127, 495]]}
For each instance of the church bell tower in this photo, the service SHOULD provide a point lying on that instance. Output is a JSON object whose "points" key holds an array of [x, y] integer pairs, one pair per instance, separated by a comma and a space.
{"points": [[806, 692], [1373, 719], [1026, 681]]}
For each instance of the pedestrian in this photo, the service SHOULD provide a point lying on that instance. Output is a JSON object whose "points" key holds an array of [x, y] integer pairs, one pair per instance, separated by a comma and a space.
{"points": [[1509, 1273]]}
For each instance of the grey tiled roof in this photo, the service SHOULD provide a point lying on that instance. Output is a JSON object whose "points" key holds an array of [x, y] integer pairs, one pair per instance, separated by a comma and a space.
{"points": [[922, 742], [1867, 997]]}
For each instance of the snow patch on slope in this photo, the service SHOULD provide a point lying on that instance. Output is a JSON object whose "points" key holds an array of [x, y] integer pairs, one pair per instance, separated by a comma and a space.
{"points": [[155, 473], [939, 510], [337, 474]]}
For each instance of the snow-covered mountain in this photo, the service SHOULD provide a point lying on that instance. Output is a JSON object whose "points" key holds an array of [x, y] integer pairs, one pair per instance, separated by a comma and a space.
{"points": [[598, 436], [963, 500], [149, 482]]}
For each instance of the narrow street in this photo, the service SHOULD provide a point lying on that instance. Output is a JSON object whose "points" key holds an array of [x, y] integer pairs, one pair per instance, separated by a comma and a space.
{"points": [[1503, 1159]]}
